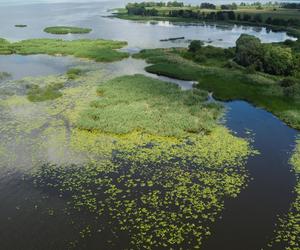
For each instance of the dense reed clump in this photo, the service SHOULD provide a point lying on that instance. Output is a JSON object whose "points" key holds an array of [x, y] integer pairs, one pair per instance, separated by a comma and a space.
{"points": [[144, 104]]}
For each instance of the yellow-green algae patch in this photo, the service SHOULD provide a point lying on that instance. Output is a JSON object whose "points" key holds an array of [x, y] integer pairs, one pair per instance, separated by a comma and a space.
{"points": [[288, 232]]}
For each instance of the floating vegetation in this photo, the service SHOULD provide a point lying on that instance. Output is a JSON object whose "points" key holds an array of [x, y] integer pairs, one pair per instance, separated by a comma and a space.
{"points": [[74, 73], [20, 25], [288, 231], [63, 30], [98, 50], [156, 189]]}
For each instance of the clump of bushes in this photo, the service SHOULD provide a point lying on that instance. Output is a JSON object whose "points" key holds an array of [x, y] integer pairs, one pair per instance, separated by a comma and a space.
{"points": [[268, 58]]}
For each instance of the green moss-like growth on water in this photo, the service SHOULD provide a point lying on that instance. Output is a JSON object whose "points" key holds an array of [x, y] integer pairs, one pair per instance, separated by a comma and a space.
{"points": [[154, 184], [288, 232], [36, 93], [98, 50], [145, 104], [63, 30]]}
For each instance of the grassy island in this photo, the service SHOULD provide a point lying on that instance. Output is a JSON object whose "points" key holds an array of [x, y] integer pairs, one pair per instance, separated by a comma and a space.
{"points": [[98, 50], [64, 30]]}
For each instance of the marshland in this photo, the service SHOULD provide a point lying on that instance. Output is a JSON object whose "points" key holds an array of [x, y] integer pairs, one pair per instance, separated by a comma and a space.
{"points": [[115, 135]]}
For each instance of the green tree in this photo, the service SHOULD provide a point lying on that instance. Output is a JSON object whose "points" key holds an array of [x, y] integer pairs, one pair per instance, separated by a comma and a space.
{"points": [[249, 51], [195, 45], [278, 60]]}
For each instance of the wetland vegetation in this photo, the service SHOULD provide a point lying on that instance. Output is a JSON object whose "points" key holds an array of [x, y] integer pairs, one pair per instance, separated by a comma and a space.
{"points": [[98, 50], [157, 183], [219, 71], [138, 162], [64, 30]]}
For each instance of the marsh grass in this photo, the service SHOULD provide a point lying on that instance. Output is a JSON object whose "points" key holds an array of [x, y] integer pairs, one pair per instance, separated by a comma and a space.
{"points": [[228, 82], [149, 105], [63, 30], [98, 50]]}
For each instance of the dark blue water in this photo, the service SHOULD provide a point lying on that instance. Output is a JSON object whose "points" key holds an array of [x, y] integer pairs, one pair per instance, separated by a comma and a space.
{"points": [[249, 220]]}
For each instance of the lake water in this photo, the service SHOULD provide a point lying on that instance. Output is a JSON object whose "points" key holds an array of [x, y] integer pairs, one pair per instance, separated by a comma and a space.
{"points": [[138, 35], [24, 222]]}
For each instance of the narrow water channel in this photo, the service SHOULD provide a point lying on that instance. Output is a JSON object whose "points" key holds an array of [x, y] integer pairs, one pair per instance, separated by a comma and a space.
{"points": [[249, 220]]}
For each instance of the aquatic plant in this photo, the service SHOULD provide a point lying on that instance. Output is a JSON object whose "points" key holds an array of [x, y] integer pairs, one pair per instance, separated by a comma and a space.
{"points": [[288, 231], [63, 30], [98, 50]]}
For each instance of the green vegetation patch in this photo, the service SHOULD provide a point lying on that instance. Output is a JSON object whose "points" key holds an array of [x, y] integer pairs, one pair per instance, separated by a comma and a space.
{"points": [[74, 73], [36, 93], [63, 30], [98, 50], [147, 105], [145, 186], [288, 232], [228, 80]]}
